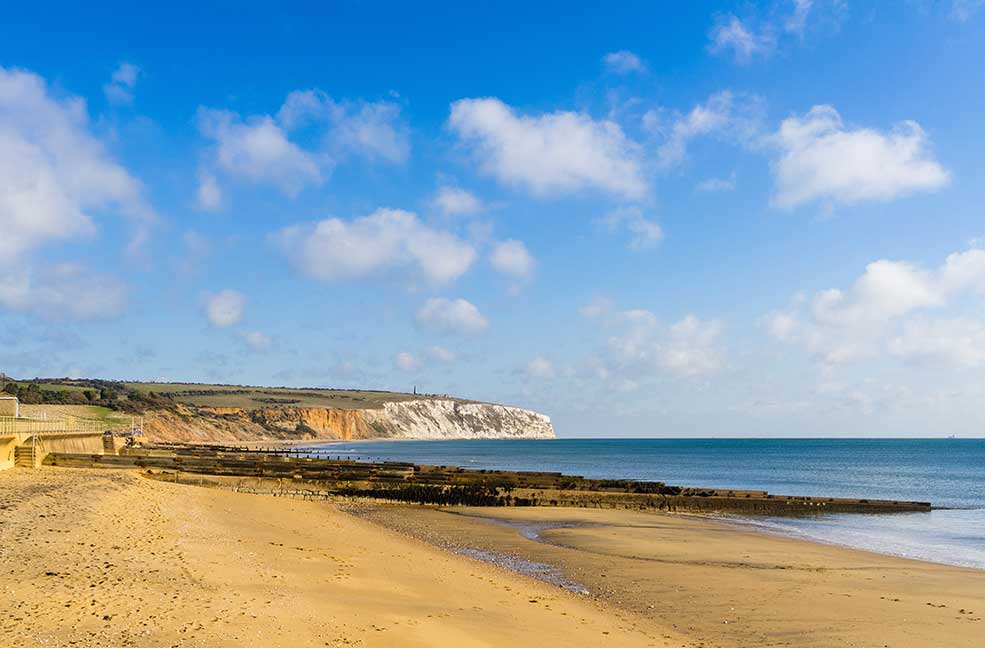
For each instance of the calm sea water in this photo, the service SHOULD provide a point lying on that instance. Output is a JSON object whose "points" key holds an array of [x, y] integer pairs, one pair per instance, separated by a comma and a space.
{"points": [[946, 472]]}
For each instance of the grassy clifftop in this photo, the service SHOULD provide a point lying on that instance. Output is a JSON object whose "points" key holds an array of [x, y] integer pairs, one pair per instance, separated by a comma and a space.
{"points": [[137, 397], [248, 397]]}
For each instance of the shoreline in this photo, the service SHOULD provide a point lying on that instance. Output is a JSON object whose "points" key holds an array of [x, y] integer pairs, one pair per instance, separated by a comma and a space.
{"points": [[109, 557], [758, 526], [724, 585]]}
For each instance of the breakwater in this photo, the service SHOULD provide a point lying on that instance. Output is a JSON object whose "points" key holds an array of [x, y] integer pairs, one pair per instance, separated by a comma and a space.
{"points": [[280, 474]]}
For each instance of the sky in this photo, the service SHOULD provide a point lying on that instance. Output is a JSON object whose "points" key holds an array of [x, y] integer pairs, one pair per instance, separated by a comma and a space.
{"points": [[642, 219]]}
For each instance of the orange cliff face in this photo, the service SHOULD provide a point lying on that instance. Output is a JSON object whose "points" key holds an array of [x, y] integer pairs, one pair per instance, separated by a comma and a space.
{"points": [[419, 419], [327, 423]]}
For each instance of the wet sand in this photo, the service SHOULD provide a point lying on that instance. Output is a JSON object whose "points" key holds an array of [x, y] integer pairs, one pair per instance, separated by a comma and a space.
{"points": [[720, 584], [109, 558]]}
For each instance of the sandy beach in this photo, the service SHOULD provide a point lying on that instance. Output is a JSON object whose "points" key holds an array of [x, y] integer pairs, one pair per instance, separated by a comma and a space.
{"points": [[721, 584], [109, 558]]}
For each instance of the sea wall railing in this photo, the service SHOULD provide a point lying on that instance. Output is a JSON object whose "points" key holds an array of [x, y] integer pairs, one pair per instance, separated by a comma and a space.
{"points": [[10, 425]]}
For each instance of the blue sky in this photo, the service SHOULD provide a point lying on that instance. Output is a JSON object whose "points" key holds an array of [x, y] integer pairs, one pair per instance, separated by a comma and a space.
{"points": [[712, 219]]}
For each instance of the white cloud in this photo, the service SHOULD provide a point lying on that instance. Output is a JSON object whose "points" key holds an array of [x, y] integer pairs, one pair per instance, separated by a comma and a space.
{"points": [[732, 35], [645, 233], [120, 88], [723, 114], [373, 130], [209, 195], [256, 340], [688, 348], [598, 308], [410, 362], [512, 258], [63, 291], [385, 240], [552, 153], [540, 368], [452, 201], [440, 354], [405, 361], [452, 316], [822, 160], [225, 308], [797, 20], [55, 176], [887, 310], [259, 150], [623, 62], [956, 342]]}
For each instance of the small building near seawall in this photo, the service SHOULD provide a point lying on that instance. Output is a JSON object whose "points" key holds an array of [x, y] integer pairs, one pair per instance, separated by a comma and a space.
{"points": [[9, 406]]}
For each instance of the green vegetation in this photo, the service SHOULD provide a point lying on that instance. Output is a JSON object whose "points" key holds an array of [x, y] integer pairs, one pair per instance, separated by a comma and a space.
{"points": [[138, 397], [110, 418], [248, 397]]}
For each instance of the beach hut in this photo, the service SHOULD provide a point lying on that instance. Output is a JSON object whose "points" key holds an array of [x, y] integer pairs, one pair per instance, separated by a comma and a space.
{"points": [[9, 406]]}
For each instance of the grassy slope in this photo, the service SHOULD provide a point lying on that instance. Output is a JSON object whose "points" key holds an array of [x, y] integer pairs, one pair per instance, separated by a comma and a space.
{"points": [[244, 396], [254, 397], [90, 412]]}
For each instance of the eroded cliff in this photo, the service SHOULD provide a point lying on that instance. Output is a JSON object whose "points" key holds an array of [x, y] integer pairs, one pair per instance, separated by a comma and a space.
{"points": [[430, 418]]}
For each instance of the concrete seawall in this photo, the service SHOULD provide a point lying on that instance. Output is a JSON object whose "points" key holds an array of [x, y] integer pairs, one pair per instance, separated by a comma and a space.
{"points": [[61, 442]]}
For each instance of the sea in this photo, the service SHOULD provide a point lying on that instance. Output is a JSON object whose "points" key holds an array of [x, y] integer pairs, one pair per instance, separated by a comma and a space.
{"points": [[949, 473]]}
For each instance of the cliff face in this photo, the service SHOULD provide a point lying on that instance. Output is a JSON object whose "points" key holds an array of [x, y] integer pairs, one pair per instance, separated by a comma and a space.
{"points": [[415, 419]]}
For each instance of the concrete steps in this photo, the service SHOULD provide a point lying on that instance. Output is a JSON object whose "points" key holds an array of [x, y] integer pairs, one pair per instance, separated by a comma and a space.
{"points": [[24, 456]]}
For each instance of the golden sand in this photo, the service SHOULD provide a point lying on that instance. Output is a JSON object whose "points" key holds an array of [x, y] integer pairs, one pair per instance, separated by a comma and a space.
{"points": [[109, 558], [723, 585]]}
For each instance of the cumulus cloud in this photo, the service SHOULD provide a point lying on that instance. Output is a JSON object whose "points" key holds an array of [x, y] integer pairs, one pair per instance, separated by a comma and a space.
{"points": [[55, 175], [598, 308], [209, 195], [256, 340], [372, 245], [889, 310], [512, 258], [688, 348], [623, 62], [258, 149], [730, 35], [405, 361], [119, 90], [644, 233], [823, 160], [440, 354], [63, 291], [452, 316], [452, 201], [373, 130], [548, 154], [723, 114], [540, 368], [957, 341], [411, 362], [225, 308]]}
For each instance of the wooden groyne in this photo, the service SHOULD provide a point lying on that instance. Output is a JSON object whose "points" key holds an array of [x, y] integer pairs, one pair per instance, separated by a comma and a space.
{"points": [[286, 474]]}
